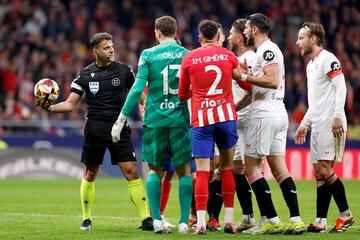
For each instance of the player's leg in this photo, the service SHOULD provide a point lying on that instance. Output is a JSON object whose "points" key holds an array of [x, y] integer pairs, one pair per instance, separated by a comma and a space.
{"points": [[123, 154], [180, 146], [192, 217], [242, 187], [202, 150], [169, 170], [92, 156], [226, 138]]}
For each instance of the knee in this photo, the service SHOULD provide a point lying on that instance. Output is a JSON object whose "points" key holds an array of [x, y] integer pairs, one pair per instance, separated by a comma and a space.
{"points": [[130, 174], [239, 167], [323, 172], [90, 174]]}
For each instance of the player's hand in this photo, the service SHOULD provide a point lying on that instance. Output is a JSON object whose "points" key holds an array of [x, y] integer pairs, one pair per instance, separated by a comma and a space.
{"points": [[300, 135], [337, 127], [117, 128], [44, 104]]}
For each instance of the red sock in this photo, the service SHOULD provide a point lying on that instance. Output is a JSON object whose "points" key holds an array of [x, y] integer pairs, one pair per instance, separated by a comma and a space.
{"points": [[228, 187], [193, 204], [165, 193], [201, 189]]}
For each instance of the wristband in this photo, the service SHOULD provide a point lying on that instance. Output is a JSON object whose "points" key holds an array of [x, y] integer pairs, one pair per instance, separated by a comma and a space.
{"points": [[244, 77]]}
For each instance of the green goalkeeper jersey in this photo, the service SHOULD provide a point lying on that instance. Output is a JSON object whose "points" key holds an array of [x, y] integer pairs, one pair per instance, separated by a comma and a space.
{"points": [[159, 66]]}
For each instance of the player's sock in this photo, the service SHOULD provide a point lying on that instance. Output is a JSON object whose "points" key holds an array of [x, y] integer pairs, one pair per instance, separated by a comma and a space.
{"points": [[338, 192], [210, 202], [217, 199], [138, 197], [185, 196], [165, 193], [243, 192], [201, 189], [153, 190], [263, 195], [289, 192], [87, 195], [228, 187], [323, 198]]}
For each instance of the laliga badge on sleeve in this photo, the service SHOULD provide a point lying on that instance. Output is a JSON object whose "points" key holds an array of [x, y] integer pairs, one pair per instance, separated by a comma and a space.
{"points": [[94, 87]]}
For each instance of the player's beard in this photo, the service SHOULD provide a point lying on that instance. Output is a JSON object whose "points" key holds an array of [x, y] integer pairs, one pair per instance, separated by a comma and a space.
{"points": [[307, 50], [250, 41]]}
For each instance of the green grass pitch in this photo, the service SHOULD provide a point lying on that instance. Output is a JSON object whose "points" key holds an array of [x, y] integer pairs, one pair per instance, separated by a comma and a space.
{"points": [[50, 209]]}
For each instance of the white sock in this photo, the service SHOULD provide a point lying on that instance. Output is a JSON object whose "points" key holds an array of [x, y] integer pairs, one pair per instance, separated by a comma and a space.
{"points": [[201, 218], [320, 222], [275, 220], [249, 218], [229, 213], [346, 214], [263, 219], [295, 219]]}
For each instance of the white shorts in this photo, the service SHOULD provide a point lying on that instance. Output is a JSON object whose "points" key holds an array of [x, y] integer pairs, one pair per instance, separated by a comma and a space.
{"points": [[240, 144], [324, 146], [266, 136]]}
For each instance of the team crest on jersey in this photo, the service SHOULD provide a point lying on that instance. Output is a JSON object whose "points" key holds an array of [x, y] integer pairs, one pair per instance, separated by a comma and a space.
{"points": [[335, 66], [115, 82], [268, 55], [94, 87]]}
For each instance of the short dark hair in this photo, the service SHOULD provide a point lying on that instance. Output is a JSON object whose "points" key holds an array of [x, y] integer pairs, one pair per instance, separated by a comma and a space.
{"points": [[317, 30], [239, 25], [261, 21], [166, 25], [208, 29], [98, 38]]}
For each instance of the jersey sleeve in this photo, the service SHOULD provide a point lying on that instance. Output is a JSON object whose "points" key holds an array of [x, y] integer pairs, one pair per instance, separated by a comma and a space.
{"points": [[77, 85], [184, 92], [332, 67], [130, 78], [268, 59], [138, 87]]}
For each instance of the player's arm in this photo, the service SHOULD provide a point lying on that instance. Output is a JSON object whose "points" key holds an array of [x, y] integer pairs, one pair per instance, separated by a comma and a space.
{"points": [[244, 102], [184, 92], [338, 80], [66, 106], [270, 79]]}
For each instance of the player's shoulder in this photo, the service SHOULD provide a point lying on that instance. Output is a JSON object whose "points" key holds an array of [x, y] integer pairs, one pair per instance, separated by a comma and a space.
{"points": [[249, 54], [325, 55]]}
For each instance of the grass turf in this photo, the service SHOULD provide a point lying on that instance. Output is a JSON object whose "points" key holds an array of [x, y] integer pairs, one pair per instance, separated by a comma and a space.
{"points": [[50, 209]]}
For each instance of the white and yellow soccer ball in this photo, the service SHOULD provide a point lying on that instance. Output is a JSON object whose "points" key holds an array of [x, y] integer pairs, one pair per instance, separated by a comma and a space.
{"points": [[46, 89]]}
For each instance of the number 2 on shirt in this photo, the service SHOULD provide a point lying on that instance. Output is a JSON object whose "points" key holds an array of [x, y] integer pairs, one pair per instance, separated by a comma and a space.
{"points": [[213, 90]]}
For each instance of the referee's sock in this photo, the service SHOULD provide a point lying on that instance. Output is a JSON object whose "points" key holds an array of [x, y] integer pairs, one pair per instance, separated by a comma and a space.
{"points": [[185, 197], [87, 195], [153, 189], [243, 192], [263, 195], [289, 192], [323, 199], [138, 197]]}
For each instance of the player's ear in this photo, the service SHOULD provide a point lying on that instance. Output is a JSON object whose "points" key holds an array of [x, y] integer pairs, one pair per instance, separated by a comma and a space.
{"points": [[200, 39]]}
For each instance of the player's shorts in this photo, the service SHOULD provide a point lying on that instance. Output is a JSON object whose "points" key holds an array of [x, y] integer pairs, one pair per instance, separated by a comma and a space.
{"points": [[157, 142], [204, 138], [240, 144], [324, 146], [98, 138], [266, 136]]}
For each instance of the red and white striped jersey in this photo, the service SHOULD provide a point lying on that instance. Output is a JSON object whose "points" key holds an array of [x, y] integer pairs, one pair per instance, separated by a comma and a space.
{"points": [[206, 77]]}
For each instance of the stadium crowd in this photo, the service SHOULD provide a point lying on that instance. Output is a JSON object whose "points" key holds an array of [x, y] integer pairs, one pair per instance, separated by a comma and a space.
{"points": [[46, 38]]}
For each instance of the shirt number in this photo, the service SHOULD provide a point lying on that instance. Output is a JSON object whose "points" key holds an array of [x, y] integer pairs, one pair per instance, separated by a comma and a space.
{"points": [[213, 90], [165, 73]]}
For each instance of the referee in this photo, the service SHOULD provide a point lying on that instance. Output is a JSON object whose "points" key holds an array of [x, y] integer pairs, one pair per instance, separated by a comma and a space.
{"points": [[106, 83]]}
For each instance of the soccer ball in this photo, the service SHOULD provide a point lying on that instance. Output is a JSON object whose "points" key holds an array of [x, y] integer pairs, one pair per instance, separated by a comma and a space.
{"points": [[46, 89]]}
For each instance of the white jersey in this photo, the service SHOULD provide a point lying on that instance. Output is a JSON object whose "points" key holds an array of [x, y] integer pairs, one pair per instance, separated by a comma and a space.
{"points": [[238, 92], [268, 102], [321, 92]]}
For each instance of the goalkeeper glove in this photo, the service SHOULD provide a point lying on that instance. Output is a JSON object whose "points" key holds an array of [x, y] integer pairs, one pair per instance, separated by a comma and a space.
{"points": [[117, 127]]}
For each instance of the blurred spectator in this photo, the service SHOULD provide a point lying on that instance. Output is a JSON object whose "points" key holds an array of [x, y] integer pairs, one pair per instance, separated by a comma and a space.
{"points": [[48, 39]]}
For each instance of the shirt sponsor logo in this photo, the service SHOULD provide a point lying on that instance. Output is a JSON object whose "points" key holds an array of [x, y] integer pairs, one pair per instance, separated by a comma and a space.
{"points": [[268, 55], [94, 87], [115, 82]]}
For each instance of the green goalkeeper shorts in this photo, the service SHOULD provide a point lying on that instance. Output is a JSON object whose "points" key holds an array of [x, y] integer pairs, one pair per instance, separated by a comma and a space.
{"points": [[157, 143]]}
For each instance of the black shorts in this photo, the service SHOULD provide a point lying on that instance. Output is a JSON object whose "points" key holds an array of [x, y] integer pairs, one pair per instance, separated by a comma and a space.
{"points": [[98, 138]]}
